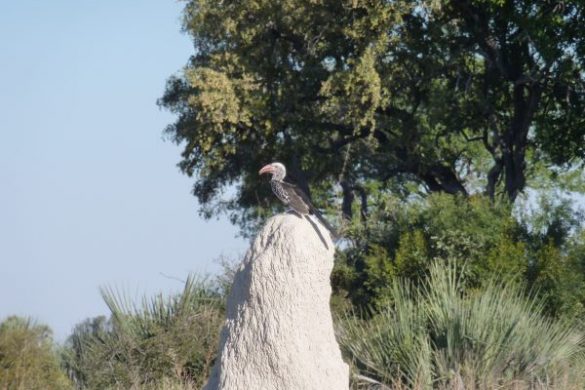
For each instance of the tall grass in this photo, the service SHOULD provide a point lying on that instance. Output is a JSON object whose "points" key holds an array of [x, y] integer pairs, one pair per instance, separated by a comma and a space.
{"points": [[162, 342], [436, 336]]}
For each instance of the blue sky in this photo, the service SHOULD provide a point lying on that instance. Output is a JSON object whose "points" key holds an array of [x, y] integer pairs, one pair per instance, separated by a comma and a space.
{"points": [[89, 190]]}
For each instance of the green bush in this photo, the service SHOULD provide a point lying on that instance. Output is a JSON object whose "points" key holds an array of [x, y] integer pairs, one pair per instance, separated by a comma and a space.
{"points": [[404, 238], [443, 335], [161, 343]]}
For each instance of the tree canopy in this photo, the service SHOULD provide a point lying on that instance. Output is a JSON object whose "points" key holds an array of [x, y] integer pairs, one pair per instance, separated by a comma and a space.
{"points": [[455, 96]]}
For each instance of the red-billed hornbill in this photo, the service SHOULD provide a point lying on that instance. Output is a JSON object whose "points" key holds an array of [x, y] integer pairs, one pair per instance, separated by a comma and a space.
{"points": [[293, 196]]}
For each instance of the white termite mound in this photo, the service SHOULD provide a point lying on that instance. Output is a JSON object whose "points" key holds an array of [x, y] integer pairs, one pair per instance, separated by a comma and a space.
{"points": [[279, 333]]}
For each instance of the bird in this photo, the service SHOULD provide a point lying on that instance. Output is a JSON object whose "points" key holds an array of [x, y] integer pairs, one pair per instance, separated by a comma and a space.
{"points": [[292, 196]]}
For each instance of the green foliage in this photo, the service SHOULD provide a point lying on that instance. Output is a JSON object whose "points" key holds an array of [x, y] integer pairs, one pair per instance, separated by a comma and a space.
{"points": [[540, 249], [27, 357], [438, 336], [160, 343], [412, 254]]}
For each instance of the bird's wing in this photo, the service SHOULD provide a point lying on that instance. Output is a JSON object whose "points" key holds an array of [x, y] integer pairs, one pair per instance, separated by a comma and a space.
{"points": [[299, 199]]}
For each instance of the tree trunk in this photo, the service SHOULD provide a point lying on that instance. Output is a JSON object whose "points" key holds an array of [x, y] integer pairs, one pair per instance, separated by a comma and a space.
{"points": [[516, 138]]}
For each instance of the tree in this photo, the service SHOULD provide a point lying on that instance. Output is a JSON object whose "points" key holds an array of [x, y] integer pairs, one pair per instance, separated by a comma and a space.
{"points": [[27, 358], [460, 96]]}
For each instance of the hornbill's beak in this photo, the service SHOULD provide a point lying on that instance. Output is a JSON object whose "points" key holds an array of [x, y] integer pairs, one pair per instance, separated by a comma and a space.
{"points": [[266, 169]]}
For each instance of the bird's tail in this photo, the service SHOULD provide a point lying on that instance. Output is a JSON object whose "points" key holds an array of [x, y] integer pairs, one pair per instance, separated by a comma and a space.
{"points": [[324, 222]]}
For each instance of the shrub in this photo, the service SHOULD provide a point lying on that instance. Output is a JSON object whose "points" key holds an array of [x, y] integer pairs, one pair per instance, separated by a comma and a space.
{"points": [[445, 336], [161, 343], [405, 238]]}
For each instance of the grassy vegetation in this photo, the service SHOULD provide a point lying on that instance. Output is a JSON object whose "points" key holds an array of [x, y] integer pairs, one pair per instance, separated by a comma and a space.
{"points": [[438, 336], [159, 343]]}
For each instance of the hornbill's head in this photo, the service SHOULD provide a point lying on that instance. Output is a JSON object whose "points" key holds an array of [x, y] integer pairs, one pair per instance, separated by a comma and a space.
{"points": [[277, 170]]}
